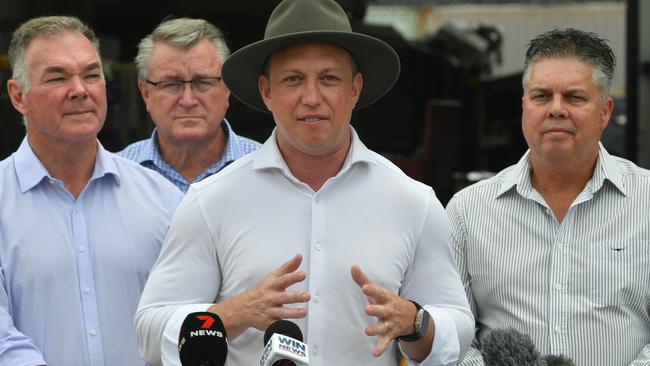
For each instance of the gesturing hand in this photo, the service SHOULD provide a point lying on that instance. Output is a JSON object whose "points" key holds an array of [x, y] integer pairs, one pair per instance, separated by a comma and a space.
{"points": [[394, 314], [264, 304]]}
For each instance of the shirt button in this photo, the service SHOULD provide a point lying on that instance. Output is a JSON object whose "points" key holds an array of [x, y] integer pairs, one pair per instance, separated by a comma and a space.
{"points": [[316, 299], [93, 332], [558, 286], [317, 246], [314, 351], [558, 329], [82, 248], [86, 290], [316, 199]]}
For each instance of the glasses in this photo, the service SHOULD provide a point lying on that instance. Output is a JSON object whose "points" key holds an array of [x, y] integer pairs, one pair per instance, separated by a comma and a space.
{"points": [[172, 87]]}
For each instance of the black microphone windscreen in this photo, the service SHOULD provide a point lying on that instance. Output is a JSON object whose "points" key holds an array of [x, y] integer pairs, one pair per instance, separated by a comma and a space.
{"points": [[202, 340], [552, 360], [284, 327], [509, 347]]}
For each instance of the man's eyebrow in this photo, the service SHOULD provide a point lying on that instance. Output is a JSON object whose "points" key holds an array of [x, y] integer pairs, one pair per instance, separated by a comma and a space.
{"points": [[92, 66], [539, 89], [54, 70], [61, 70], [576, 90]]}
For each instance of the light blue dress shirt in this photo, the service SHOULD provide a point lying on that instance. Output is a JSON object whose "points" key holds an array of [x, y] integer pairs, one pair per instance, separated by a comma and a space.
{"points": [[72, 270], [147, 153]]}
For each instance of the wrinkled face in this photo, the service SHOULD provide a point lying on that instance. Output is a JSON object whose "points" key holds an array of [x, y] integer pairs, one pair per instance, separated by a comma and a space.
{"points": [[563, 114], [311, 91], [188, 115], [66, 101]]}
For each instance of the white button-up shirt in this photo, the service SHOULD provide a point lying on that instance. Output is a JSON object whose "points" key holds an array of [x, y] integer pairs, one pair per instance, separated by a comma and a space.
{"points": [[579, 287], [236, 227]]}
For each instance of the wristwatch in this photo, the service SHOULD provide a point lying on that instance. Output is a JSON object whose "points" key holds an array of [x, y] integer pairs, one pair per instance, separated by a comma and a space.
{"points": [[421, 325]]}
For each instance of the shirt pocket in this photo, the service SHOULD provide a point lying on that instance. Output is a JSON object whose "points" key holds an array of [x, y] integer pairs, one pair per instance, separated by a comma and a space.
{"points": [[619, 272]]}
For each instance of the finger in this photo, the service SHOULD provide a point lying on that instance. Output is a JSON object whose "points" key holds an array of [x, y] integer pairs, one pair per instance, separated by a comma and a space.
{"points": [[293, 297], [377, 329], [378, 311], [377, 294], [289, 266], [359, 277], [288, 279], [382, 344], [287, 313]]}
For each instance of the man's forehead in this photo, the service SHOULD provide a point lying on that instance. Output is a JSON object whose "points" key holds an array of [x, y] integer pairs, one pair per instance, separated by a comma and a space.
{"points": [[170, 57], [556, 68], [52, 49]]}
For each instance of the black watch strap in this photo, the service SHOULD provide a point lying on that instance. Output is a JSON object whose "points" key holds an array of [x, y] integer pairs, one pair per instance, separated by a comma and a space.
{"points": [[421, 325]]}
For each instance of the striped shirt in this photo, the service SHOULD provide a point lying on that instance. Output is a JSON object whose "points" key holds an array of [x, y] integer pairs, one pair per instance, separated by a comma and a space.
{"points": [[147, 154], [581, 287]]}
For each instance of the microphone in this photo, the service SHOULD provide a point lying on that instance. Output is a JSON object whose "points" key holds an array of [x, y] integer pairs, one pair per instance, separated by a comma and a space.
{"points": [[509, 347], [284, 347], [202, 340]]}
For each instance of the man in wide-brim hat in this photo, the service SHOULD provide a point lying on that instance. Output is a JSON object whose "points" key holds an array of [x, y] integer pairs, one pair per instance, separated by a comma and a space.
{"points": [[370, 246]]}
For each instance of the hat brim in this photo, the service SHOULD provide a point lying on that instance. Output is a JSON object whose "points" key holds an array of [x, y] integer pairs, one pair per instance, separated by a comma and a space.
{"points": [[376, 60]]}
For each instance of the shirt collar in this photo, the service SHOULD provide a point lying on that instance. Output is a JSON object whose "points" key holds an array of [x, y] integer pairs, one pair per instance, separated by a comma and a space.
{"points": [[150, 151], [234, 148], [30, 171], [269, 156], [606, 169]]}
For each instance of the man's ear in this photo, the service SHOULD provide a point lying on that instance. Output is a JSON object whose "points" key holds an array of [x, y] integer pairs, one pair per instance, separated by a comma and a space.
{"points": [[357, 85], [144, 92], [17, 96], [264, 85], [606, 112]]}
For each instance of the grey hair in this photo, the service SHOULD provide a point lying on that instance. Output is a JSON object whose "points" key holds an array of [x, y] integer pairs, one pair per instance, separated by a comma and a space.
{"points": [[42, 27], [183, 33], [584, 46]]}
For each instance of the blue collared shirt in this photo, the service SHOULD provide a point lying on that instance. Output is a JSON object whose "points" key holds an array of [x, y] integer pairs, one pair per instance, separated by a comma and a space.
{"points": [[147, 154], [72, 270]]}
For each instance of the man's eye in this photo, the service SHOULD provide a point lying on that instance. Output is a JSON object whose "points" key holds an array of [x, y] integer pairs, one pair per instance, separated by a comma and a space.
{"points": [[93, 77], [169, 84], [539, 97], [203, 83], [292, 79], [59, 79]]}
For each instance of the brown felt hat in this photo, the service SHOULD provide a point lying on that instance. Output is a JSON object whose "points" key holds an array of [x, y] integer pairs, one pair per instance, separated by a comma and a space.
{"points": [[311, 21]]}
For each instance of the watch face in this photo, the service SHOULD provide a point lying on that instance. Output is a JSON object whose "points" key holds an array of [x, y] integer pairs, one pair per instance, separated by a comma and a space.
{"points": [[418, 319], [422, 323]]}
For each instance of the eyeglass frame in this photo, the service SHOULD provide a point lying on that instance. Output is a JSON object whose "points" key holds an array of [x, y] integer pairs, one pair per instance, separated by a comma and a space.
{"points": [[183, 82]]}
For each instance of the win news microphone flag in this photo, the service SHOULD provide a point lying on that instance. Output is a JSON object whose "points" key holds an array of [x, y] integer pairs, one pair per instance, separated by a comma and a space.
{"points": [[202, 340], [284, 346]]}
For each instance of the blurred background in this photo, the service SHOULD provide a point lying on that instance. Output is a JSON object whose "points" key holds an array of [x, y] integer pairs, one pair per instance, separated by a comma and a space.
{"points": [[452, 118]]}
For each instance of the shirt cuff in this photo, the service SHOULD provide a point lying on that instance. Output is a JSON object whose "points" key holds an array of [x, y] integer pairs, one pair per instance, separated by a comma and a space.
{"points": [[169, 343], [445, 348]]}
